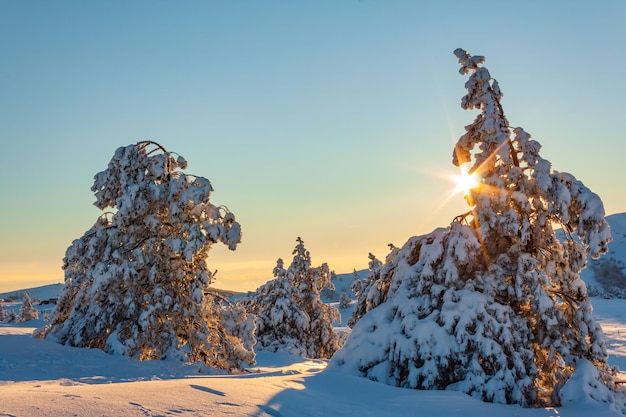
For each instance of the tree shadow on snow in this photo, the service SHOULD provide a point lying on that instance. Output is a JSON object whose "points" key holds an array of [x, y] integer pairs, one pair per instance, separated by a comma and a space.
{"points": [[336, 394]]}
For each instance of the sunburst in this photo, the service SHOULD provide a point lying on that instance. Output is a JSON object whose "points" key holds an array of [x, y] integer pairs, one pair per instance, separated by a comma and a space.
{"points": [[465, 181]]}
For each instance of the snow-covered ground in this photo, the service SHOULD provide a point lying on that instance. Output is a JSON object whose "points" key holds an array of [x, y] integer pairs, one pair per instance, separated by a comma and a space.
{"points": [[40, 377]]}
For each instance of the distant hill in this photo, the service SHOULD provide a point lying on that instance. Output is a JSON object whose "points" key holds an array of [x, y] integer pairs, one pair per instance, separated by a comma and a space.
{"points": [[51, 291], [45, 292]]}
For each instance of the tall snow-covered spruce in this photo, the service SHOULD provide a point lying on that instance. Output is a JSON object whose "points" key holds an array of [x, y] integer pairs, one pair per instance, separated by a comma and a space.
{"points": [[137, 282], [493, 305], [291, 316]]}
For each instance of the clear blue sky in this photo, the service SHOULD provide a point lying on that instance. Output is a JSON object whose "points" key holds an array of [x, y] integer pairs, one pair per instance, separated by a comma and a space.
{"points": [[330, 120]]}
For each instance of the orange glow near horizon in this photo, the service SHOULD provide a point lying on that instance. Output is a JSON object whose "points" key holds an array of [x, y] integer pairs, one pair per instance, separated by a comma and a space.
{"points": [[10, 282]]}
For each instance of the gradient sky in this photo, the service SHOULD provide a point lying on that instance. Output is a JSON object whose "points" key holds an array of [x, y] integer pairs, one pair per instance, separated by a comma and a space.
{"points": [[330, 120]]}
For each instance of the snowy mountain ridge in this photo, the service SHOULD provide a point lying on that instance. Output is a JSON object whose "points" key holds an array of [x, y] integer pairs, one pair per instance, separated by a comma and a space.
{"points": [[51, 291], [45, 292]]}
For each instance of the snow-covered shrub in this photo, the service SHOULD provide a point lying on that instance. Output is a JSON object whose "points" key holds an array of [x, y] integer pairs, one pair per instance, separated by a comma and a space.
{"points": [[291, 316], [587, 385], [492, 306], [137, 282], [10, 316], [344, 300], [239, 326], [27, 311]]}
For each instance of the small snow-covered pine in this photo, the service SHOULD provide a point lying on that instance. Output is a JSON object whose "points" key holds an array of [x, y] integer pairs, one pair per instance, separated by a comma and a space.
{"points": [[344, 300], [10, 316], [291, 316], [371, 290], [27, 311], [492, 306], [137, 282]]}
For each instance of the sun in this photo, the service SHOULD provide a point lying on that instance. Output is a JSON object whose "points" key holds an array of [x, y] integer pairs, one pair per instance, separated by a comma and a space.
{"points": [[465, 181]]}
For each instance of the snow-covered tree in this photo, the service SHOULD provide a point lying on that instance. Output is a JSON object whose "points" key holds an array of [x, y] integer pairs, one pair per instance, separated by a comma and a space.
{"points": [[492, 306], [328, 293], [291, 316], [10, 316], [137, 282], [239, 326], [371, 290], [344, 300], [2, 313], [27, 311]]}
